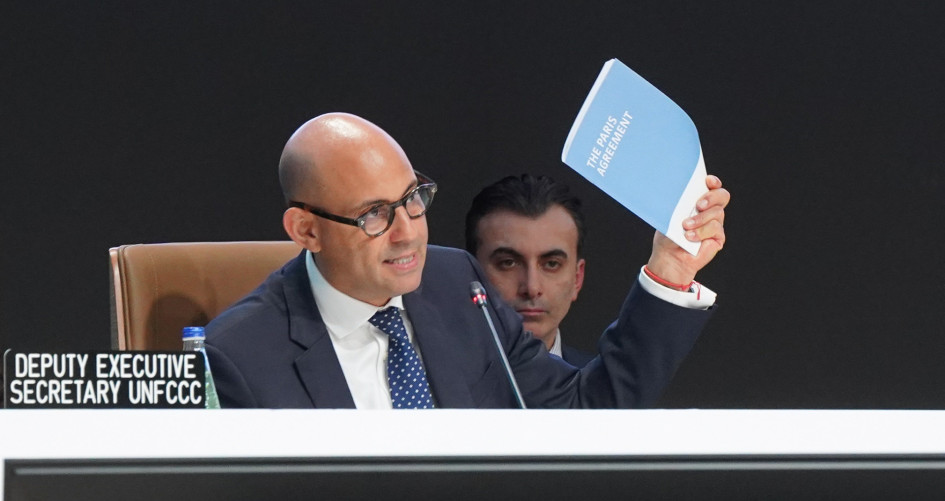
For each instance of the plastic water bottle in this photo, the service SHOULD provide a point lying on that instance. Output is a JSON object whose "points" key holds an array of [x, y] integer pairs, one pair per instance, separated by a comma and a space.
{"points": [[194, 338]]}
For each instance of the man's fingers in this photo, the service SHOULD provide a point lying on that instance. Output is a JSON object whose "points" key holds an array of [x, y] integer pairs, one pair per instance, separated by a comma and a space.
{"points": [[717, 197], [712, 229], [708, 226], [712, 246], [713, 182], [702, 218]]}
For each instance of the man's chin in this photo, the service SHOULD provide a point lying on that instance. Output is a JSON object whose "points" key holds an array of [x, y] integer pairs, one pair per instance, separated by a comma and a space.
{"points": [[533, 328], [406, 285]]}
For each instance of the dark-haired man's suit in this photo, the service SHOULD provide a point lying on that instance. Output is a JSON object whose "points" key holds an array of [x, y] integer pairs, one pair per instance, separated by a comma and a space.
{"points": [[574, 356]]}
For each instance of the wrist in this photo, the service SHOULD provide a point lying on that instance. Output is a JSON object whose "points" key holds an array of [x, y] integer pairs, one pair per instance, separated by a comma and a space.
{"points": [[670, 270], [681, 285]]}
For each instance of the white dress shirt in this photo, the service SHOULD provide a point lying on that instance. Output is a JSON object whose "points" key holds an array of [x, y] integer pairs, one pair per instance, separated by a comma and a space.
{"points": [[556, 346], [698, 297], [361, 347]]}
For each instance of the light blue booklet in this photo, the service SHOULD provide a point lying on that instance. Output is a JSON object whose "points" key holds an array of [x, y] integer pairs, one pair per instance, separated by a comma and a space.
{"points": [[633, 142]]}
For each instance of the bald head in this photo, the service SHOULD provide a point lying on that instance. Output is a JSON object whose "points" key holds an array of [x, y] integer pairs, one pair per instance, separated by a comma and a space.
{"points": [[329, 146], [339, 167]]}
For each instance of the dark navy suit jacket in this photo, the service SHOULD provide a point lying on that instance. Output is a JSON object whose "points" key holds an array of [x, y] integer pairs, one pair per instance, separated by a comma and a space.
{"points": [[272, 350], [574, 356]]}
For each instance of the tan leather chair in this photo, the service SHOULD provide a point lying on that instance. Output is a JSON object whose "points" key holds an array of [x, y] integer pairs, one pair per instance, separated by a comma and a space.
{"points": [[158, 289]]}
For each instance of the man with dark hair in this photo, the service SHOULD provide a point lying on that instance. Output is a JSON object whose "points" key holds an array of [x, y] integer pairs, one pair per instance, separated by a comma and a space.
{"points": [[370, 316], [528, 234]]}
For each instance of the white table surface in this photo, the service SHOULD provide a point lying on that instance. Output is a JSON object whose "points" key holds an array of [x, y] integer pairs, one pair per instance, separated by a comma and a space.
{"points": [[119, 434]]}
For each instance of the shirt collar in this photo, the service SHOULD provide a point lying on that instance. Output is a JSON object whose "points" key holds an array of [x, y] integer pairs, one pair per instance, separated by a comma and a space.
{"points": [[341, 313], [556, 346]]}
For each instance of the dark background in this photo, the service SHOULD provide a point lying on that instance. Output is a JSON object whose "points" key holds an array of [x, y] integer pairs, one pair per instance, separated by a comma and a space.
{"points": [[131, 122]]}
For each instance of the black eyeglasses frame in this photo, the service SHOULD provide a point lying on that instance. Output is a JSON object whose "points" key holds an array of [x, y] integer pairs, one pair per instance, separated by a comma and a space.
{"points": [[423, 181]]}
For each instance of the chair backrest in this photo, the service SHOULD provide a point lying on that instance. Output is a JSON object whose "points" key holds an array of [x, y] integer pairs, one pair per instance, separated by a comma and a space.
{"points": [[158, 289]]}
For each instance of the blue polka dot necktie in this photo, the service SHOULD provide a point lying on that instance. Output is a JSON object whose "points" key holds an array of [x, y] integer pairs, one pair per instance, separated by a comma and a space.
{"points": [[405, 374]]}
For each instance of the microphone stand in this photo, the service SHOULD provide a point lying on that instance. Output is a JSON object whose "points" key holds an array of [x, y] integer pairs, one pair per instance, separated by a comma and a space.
{"points": [[478, 294]]}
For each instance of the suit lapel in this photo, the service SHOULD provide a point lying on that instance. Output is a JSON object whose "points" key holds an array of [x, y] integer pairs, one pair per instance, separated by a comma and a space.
{"points": [[318, 367], [439, 355]]}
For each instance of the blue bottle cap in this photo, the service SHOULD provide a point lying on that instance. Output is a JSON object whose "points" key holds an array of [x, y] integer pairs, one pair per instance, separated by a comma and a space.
{"points": [[193, 332]]}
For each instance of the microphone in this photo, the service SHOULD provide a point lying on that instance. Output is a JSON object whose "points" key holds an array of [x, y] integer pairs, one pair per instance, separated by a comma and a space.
{"points": [[478, 294]]}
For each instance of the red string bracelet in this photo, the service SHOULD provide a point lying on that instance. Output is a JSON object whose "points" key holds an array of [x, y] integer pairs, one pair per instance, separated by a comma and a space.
{"points": [[667, 283]]}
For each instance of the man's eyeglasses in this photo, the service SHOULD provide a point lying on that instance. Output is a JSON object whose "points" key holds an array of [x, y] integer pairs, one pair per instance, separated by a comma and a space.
{"points": [[378, 219]]}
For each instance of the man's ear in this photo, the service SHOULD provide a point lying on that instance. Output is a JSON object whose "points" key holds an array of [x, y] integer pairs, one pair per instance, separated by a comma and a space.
{"points": [[578, 279], [301, 228]]}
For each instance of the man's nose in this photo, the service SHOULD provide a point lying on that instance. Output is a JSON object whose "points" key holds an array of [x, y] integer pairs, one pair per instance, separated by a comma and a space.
{"points": [[403, 227], [531, 283]]}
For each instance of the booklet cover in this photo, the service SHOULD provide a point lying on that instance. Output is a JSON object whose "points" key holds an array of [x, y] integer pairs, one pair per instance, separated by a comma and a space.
{"points": [[639, 147]]}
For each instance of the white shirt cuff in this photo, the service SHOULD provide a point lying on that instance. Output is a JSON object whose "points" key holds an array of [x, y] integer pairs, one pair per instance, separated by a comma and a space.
{"points": [[698, 297]]}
